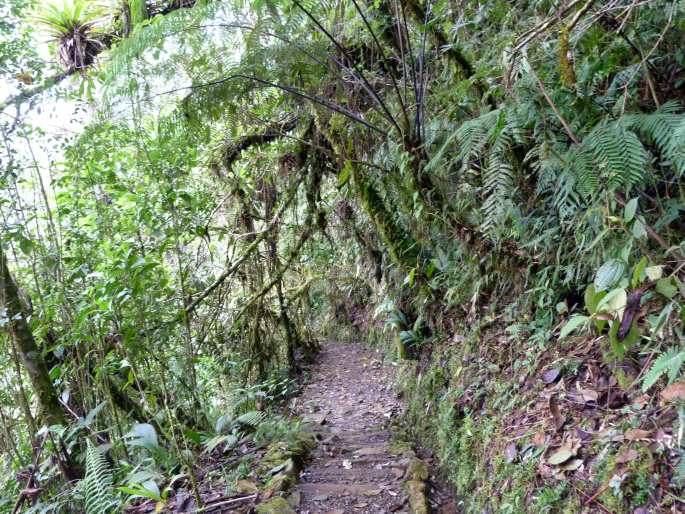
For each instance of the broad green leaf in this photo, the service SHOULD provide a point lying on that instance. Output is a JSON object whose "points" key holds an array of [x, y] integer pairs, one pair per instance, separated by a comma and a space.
{"points": [[560, 456], [592, 298], [609, 274], [573, 323], [667, 287], [142, 434], [344, 175], [629, 210], [25, 245], [654, 272], [619, 348], [638, 271], [661, 320], [638, 229], [614, 302]]}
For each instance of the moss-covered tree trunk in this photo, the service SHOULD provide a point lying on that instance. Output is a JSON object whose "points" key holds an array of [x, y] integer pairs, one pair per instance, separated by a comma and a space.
{"points": [[51, 411]]}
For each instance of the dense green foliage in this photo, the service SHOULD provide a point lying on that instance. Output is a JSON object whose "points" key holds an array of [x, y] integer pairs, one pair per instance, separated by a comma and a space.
{"points": [[484, 188]]}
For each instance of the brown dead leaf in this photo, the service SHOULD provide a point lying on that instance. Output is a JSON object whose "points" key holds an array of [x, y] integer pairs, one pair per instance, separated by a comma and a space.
{"points": [[641, 400], [588, 395], [550, 375], [581, 395], [674, 392], [510, 452], [583, 436], [558, 418], [636, 434], [539, 439], [626, 456]]}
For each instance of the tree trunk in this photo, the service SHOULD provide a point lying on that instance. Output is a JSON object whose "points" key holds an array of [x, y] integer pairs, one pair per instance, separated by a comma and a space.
{"points": [[51, 411]]}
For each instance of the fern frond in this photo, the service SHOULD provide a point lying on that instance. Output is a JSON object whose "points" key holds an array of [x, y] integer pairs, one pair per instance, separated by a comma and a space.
{"points": [[251, 419], [473, 136], [498, 184], [97, 482], [618, 153], [668, 362], [666, 131], [153, 36]]}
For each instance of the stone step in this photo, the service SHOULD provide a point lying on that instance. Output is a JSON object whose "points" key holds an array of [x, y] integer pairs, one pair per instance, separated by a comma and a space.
{"points": [[317, 474], [326, 490]]}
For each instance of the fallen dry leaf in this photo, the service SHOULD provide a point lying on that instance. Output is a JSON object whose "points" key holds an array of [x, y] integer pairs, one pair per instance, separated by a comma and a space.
{"points": [[626, 456], [560, 456], [674, 392], [539, 439], [636, 434], [588, 395], [558, 418], [510, 452], [550, 375]]}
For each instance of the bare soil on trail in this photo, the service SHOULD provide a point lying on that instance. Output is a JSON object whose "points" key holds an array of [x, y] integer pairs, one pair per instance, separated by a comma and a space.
{"points": [[355, 468]]}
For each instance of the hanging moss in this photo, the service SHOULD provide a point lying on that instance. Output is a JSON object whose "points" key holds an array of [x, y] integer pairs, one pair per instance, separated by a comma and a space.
{"points": [[402, 248], [566, 70]]}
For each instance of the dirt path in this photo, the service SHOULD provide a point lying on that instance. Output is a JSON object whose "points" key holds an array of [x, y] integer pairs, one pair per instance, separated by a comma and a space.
{"points": [[355, 468]]}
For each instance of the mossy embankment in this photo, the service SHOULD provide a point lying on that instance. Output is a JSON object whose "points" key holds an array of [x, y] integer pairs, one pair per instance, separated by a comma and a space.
{"points": [[523, 423]]}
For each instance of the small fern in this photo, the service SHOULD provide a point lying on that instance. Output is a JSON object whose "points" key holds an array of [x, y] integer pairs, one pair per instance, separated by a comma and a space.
{"points": [[668, 362], [251, 419], [486, 143], [97, 483], [666, 131], [617, 154]]}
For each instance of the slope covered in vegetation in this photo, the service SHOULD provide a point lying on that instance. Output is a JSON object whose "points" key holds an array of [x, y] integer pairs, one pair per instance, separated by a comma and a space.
{"points": [[492, 192]]}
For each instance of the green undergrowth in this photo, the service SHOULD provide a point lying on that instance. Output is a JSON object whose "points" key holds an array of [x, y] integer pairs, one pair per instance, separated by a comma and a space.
{"points": [[481, 411]]}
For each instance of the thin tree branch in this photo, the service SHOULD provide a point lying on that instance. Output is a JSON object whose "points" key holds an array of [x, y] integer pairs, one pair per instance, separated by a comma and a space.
{"points": [[253, 246], [343, 51]]}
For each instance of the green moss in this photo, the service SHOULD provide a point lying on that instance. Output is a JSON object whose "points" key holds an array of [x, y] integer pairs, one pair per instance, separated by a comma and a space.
{"points": [[461, 405], [417, 469], [416, 491], [630, 484], [401, 247], [277, 505]]}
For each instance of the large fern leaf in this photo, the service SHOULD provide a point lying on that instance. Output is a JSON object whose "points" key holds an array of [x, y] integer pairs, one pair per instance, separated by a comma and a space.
{"points": [[97, 483], [666, 131], [668, 362], [618, 153]]}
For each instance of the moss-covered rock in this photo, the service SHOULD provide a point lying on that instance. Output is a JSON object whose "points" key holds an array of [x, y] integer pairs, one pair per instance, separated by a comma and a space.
{"points": [[417, 470], [279, 468], [418, 501], [277, 505]]}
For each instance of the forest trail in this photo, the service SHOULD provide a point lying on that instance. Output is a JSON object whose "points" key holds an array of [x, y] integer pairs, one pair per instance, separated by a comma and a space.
{"points": [[355, 468]]}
